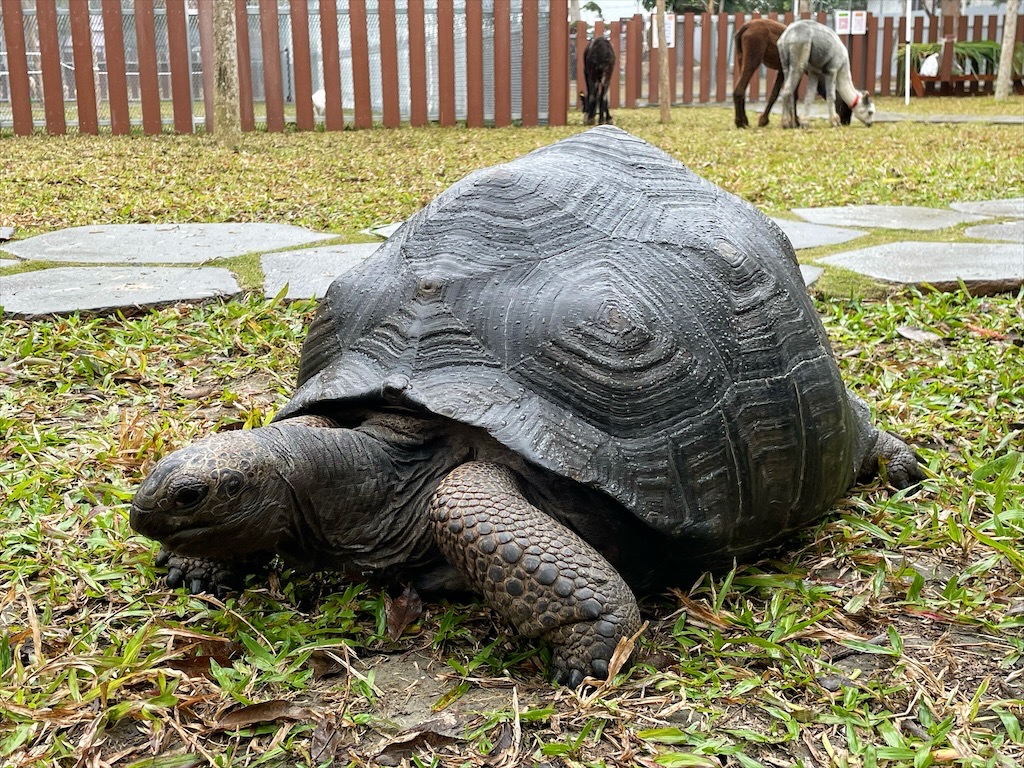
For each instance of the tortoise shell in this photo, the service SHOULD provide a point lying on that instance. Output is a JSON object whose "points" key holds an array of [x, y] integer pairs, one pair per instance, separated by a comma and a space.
{"points": [[610, 316]]}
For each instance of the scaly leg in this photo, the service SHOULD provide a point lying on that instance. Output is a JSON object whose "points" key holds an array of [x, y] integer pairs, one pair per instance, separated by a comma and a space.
{"points": [[536, 573]]}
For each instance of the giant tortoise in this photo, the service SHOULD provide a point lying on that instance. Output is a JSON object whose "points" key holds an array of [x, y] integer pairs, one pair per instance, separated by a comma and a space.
{"points": [[578, 374]]}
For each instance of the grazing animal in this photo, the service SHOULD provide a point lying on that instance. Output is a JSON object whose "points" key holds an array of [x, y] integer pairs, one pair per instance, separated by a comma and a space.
{"points": [[756, 45], [320, 102], [492, 402], [598, 68], [812, 48]]}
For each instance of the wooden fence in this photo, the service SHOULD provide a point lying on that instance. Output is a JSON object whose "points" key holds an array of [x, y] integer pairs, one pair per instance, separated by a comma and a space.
{"points": [[149, 63]]}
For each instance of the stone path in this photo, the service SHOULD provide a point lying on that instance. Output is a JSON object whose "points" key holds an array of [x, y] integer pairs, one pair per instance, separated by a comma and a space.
{"points": [[119, 262]]}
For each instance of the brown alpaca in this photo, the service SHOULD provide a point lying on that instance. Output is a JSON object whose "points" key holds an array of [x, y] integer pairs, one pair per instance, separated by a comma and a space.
{"points": [[756, 45]]}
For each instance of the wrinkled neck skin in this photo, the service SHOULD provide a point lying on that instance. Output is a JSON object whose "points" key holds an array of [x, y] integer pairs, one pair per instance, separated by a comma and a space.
{"points": [[359, 496]]}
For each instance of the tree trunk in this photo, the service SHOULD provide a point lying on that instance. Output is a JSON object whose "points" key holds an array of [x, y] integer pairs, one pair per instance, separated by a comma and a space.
{"points": [[664, 97], [1004, 77], [226, 115], [804, 6], [574, 11]]}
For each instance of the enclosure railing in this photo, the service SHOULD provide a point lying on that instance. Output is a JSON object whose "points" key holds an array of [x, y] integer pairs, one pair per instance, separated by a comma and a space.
{"points": [[92, 64]]}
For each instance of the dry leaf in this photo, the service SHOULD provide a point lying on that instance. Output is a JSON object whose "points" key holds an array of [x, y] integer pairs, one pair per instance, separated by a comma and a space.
{"points": [[325, 741], [402, 611], [435, 732], [264, 712], [919, 335]]}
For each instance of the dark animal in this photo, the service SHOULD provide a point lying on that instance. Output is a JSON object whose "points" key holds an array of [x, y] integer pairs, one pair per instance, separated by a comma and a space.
{"points": [[598, 69], [810, 47], [493, 402], [755, 44]]}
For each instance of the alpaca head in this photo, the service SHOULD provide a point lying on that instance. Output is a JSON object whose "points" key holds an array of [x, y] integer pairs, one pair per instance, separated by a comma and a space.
{"points": [[863, 108]]}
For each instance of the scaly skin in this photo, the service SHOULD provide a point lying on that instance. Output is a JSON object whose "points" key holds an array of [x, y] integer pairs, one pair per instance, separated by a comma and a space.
{"points": [[539, 575]]}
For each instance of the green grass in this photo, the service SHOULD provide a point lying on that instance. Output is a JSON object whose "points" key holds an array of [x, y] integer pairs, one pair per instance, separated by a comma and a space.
{"points": [[891, 635]]}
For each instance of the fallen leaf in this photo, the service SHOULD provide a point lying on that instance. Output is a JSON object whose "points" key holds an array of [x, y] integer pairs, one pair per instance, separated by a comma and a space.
{"points": [[919, 335], [402, 611], [436, 732], [264, 712], [325, 741]]}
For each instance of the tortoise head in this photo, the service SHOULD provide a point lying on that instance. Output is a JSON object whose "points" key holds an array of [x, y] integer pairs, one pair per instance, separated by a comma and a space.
{"points": [[219, 498]]}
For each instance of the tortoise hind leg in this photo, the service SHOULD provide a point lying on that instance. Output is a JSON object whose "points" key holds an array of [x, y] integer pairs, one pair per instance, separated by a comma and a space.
{"points": [[539, 575]]}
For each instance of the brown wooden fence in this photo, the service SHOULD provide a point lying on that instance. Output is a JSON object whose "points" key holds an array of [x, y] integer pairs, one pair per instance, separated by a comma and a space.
{"points": [[149, 63]]}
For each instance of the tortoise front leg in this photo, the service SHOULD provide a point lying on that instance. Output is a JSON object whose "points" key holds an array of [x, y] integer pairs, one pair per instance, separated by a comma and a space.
{"points": [[197, 574], [539, 575]]}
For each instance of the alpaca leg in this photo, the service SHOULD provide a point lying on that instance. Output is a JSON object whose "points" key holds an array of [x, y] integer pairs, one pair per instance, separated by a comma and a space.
{"points": [[762, 121], [746, 68], [830, 99], [812, 91]]}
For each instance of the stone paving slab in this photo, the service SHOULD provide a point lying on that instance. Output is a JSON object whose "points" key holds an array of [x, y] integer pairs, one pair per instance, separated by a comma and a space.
{"points": [[8, 263], [1011, 207], [810, 274], [887, 216], [310, 271], [160, 243], [804, 235], [983, 267], [386, 231], [63, 290], [1012, 231]]}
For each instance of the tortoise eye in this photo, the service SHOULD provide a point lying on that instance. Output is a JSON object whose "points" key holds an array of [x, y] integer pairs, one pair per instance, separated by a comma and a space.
{"points": [[189, 496]]}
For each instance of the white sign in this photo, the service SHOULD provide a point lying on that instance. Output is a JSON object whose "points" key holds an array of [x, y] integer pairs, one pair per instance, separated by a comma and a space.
{"points": [[842, 22], [859, 23], [670, 30]]}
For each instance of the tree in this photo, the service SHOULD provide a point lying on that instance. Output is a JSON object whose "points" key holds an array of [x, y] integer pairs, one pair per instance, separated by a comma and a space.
{"points": [[593, 7], [226, 116], [1004, 77]]}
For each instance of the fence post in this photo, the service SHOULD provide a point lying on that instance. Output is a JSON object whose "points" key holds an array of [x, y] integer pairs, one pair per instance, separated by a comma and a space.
{"points": [[49, 55], [634, 64], [502, 64], [360, 64], [615, 36], [446, 62], [246, 116], [85, 82], [392, 117], [17, 65], [417, 65], [273, 96], [334, 119], [529, 62], [558, 62], [149, 83], [474, 65], [179, 55], [298, 11]]}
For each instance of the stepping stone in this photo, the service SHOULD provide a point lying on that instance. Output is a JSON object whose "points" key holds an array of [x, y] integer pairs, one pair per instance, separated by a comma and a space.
{"points": [[887, 216], [64, 290], [386, 231], [810, 274], [6, 233], [1013, 206], [984, 267], [8, 263], [161, 243], [1009, 230], [804, 235], [310, 271]]}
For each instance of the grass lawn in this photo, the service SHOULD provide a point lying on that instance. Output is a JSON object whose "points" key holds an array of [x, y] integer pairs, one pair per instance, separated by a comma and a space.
{"points": [[892, 634]]}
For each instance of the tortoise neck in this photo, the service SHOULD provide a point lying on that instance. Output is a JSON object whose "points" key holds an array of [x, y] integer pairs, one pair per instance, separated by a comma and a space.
{"points": [[360, 495]]}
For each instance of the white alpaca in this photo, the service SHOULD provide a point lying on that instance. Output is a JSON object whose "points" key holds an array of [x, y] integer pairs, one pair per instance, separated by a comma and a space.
{"points": [[320, 102], [807, 46]]}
